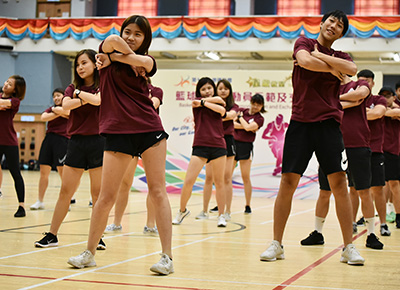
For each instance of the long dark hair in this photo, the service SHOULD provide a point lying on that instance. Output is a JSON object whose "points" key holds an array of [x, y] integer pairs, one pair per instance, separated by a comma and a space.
{"points": [[229, 100], [201, 83], [78, 81], [145, 27], [20, 87]]}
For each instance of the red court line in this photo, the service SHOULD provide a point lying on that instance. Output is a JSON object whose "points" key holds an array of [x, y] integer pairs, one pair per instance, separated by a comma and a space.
{"points": [[105, 282], [313, 265]]}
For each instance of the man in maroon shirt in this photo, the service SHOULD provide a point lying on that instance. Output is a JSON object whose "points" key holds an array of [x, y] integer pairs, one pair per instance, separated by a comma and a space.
{"points": [[314, 127]]}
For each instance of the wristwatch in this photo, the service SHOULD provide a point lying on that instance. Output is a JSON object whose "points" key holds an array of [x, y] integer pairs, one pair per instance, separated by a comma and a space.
{"points": [[77, 92]]}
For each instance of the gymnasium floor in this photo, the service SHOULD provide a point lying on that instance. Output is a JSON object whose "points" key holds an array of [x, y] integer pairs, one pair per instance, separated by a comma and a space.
{"points": [[205, 256]]}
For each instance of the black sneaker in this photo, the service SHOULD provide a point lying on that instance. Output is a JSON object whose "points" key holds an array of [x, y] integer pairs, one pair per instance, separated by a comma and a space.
{"points": [[215, 209], [398, 220], [101, 245], [315, 238], [73, 201], [361, 222], [355, 228], [385, 230], [373, 242], [247, 209], [49, 240], [20, 212]]}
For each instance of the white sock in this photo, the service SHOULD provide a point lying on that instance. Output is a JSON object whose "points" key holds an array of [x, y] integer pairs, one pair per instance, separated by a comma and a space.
{"points": [[319, 224], [370, 223], [389, 207]]}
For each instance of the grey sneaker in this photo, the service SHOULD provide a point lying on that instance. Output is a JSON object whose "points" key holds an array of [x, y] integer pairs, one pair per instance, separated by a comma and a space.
{"points": [[202, 215], [274, 252], [385, 230], [228, 216], [37, 205], [164, 266], [150, 231], [351, 256], [180, 216], [112, 228], [355, 230], [85, 259]]}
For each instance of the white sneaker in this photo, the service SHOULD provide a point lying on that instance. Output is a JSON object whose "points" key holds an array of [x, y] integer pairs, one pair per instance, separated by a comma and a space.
{"points": [[202, 215], [112, 228], [150, 231], [221, 221], [274, 252], [164, 266], [180, 216], [85, 259], [37, 205], [351, 256], [228, 216]]}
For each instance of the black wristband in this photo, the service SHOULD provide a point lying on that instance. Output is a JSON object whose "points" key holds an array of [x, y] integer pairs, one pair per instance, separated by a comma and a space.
{"points": [[224, 116], [109, 57], [202, 103]]}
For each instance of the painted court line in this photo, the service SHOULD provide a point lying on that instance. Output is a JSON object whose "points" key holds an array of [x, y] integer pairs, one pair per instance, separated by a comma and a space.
{"points": [[315, 264], [111, 265]]}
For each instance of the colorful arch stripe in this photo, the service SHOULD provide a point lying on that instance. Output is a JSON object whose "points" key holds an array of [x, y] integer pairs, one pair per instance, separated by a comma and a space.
{"points": [[193, 28]]}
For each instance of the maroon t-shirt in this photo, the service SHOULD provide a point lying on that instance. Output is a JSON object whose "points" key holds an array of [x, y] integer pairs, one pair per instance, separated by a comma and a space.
{"points": [[391, 141], [376, 126], [58, 125], [208, 128], [125, 104], [83, 120], [248, 136], [354, 126], [157, 93], [315, 94], [8, 136], [228, 125]]}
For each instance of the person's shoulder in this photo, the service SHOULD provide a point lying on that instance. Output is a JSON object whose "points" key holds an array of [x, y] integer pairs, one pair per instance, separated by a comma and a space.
{"points": [[342, 54]]}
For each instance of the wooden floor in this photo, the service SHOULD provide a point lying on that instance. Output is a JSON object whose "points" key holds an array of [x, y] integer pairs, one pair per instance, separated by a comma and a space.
{"points": [[205, 256]]}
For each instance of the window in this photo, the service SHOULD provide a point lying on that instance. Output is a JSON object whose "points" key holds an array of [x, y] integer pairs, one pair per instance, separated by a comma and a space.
{"points": [[209, 8], [376, 7], [299, 7], [138, 7]]}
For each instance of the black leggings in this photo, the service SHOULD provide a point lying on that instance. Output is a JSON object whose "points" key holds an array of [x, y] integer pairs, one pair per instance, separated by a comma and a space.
{"points": [[12, 157]]}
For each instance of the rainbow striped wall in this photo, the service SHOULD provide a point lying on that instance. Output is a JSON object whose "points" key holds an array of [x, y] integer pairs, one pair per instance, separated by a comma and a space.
{"points": [[193, 28]]}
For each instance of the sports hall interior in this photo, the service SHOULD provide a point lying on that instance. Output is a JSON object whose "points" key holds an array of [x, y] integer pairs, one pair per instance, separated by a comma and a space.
{"points": [[247, 41]]}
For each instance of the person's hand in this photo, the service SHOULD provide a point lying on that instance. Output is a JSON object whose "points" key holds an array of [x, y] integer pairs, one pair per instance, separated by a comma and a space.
{"points": [[196, 103], [316, 53], [337, 74], [102, 61]]}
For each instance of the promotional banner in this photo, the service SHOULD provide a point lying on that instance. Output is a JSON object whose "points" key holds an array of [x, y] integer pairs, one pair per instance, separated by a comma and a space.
{"points": [[177, 117]]}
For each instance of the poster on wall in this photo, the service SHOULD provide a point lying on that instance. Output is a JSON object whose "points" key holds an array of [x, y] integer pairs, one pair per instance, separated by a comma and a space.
{"points": [[176, 114]]}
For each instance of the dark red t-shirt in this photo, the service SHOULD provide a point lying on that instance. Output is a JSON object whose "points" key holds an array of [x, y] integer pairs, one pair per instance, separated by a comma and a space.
{"points": [[315, 94], [83, 120], [58, 125], [228, 125], [376, 126], [157, 93], [8, 136], [125, 104], [354, 126], [248, 136], [208, 128]]}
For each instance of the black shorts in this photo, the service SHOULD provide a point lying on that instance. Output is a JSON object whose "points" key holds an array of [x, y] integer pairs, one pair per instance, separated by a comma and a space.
{"points": [[377, 169], [244, 150], [133, 144], [359, 171], [303, 139], [392, 167], [230, 145], [53, 150], [210, 153], [85, 152], [323, 180]]}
